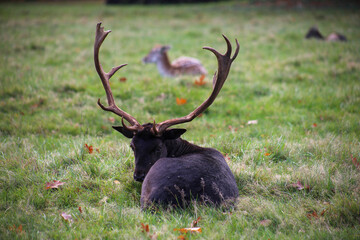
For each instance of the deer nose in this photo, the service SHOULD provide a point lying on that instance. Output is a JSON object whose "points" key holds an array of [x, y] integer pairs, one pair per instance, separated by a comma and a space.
{"points": [[139, 177]]}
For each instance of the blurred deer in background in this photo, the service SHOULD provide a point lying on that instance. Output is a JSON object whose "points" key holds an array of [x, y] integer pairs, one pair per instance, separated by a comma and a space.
{"points": [[180, 66], [174, 171]]}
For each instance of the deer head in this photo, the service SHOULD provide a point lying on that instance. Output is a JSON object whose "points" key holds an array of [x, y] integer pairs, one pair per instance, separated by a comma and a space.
{"points": [[155, 54], [152, 141]]}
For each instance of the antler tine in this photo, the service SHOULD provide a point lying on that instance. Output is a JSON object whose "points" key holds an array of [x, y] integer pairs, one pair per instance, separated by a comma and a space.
{"points": [[105, 77], [224, 64]]}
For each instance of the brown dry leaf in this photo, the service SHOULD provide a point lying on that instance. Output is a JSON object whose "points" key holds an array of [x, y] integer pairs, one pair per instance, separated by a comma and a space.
{"points": [[265, 222], [66, 217], [54, 184], [122, 79], [80, 210], [312, 215]]}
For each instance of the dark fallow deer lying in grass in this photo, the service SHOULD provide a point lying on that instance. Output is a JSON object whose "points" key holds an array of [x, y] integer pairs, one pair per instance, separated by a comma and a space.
{"points": [[174, 171], [180, 66]]}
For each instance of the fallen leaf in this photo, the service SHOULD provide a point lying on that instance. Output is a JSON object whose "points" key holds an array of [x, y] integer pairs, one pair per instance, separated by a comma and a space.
{"points": [[233, 129], [314, 125], [182, 237], [227, 158], [66, 217], [145, 228], [267, 154], [252, 122], [297, 185], [16, 229], [312, 215], [111, 119], [201, 81], [89, 148], [54, 184], [180, 101], [323, 212], [186, 230], [195, 222], [80, 210], [122, 79], [355, 162], [116, 182], [265, 222]]}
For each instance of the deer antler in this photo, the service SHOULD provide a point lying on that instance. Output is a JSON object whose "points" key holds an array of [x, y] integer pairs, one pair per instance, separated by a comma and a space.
{"points": [[224, 64], [105, 77]]}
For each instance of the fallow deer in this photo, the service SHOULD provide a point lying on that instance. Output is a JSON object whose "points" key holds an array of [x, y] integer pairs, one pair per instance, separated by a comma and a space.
{"points": [[180, 66], [174, 171]]}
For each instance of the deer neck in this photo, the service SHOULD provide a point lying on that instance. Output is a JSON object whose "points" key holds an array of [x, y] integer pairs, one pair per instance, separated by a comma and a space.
{"points": [[179, 147], [164, 65]]}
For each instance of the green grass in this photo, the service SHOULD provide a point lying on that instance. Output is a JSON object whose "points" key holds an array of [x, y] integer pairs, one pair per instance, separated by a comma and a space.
{"points": [[304, 94]]}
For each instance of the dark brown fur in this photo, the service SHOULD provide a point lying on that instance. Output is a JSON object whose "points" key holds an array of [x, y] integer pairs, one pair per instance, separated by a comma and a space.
{"points": [[174, 171]]}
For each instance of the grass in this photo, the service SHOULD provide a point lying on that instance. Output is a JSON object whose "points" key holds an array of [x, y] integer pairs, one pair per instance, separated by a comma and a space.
{"points": [[305, 95]]}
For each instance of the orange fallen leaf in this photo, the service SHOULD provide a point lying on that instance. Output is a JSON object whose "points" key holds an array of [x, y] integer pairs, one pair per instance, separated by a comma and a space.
{"points": [[201, 81], [89, 148], [54, 184], [122, 79], [186, 230], [16, 229], [145, 228], [314, 125], [267, 154], [182, 237], [180, 101]]}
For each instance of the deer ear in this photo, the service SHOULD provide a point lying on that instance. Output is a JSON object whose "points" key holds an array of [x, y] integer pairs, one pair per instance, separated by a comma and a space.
{"points": [[124, 131], [173, 133]]}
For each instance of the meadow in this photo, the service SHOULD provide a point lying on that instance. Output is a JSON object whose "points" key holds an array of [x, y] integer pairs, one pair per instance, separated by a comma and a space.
{"points": [[287, 120]]}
